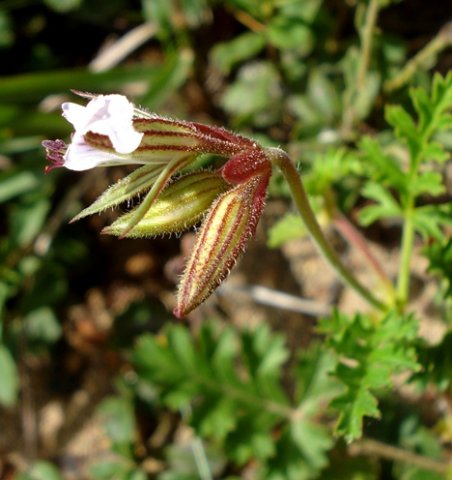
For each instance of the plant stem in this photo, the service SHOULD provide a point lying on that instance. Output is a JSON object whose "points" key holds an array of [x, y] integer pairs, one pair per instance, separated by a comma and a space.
{"points": [[368, 446], [424, 58], [403, 280], [354, 237], [281, 159], [366, 37]]}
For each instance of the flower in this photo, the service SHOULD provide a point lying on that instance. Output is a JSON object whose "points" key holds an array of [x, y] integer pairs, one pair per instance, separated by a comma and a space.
{"points": [[110, 130], [104, 134]]}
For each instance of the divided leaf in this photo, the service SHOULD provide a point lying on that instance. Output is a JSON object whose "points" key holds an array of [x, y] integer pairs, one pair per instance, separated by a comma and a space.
{"points": [[368, 353]]}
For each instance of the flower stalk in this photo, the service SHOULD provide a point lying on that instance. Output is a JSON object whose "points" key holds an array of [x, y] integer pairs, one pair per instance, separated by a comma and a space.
{"points": [[281, 159]]}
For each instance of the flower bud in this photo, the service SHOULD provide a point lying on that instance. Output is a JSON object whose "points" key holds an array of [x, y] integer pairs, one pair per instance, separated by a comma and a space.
{"points": [[178, 207], [230, 223]]}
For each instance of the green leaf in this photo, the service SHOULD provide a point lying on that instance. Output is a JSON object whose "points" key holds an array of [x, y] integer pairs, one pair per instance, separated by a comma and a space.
{"points": [[255, 95], [244, 46], [431, 220], [430, 183], [41, 325], [14, 184], [63, 6], [439, 254], [230, 383], [27, 219], [382, 167], [313, 441], [41, 470], [289, 227], [171, 75], [368, 354], [118, 418], [385, 206], [9, 381], [289, 33]]}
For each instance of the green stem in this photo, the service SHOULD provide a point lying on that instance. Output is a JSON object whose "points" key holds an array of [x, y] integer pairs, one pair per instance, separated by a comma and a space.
{"points": [[366, 39], [366, 35], [403, 280], [281, 159]]}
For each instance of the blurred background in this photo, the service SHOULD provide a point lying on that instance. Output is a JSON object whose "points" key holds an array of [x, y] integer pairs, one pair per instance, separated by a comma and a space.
{"points": [[291, 73]]}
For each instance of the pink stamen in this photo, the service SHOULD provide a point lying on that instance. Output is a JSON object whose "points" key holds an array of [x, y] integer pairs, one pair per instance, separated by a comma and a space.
{"points": [[55, 150]]}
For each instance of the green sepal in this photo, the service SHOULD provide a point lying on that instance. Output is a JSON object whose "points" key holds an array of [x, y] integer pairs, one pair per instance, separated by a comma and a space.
{"points": [[123, 190]]}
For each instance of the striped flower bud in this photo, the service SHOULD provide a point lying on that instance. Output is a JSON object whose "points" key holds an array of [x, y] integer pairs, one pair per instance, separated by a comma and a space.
{"points": [[230, 223], [180, 206]]}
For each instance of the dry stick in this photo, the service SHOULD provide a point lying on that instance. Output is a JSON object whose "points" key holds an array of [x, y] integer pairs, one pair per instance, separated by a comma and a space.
{"points": [[424, 57], [277, 299], [366, 36], [121, 48], [369, 447]]}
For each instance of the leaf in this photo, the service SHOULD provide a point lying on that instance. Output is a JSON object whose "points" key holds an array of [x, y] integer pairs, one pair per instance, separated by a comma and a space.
{"points": [[63, 6], [382, 167], [368, 354], [255, 95], [385, 206], [439, 254], [172, 74], [230, 383], [118, 418], [430, 183], [431, 220], [27, 219], [41, 470], [9, 381], [289, 227], [16, 183], [41, 325], [402, 122], [227, 55]]}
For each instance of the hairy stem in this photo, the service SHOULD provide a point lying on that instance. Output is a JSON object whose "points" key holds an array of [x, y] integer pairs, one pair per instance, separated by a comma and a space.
{"points": [[281, 159]]}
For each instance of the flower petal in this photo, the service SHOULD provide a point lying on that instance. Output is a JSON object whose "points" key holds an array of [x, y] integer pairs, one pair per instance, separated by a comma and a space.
{"points": [[109, 115]]}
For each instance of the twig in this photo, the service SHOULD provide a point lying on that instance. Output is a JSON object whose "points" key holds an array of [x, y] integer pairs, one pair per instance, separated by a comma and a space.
{"points": [[117, 51], [369, 447], [423, 58], [277, 299]]}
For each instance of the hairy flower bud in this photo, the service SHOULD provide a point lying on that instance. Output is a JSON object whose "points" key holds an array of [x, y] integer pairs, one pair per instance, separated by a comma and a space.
{"points": [[230, 223], [180, 206]]}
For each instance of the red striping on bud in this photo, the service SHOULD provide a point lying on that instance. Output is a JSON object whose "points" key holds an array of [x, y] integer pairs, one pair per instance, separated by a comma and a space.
{"points": [[230, 223]]}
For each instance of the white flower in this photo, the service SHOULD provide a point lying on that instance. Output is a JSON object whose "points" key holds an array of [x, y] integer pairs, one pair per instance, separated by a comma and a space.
{"points": [[107, 115]]}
